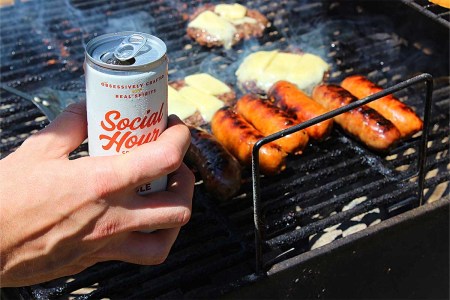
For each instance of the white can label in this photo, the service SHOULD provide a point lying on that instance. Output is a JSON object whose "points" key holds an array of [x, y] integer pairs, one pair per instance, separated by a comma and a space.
{"points": [[125, 111]]}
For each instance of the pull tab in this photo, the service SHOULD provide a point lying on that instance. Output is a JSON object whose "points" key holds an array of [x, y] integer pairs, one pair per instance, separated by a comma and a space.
{"points": [[129, 47]]}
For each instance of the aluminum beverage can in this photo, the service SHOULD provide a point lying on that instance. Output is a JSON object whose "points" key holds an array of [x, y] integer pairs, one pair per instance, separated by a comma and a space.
{"points": [[126, 94]]}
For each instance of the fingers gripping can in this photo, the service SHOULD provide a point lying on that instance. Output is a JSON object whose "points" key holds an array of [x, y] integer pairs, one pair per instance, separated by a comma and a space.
{"points": [[126, 94]]}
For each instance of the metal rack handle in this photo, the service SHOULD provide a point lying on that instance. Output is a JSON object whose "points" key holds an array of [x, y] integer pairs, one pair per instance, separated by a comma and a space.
{"points": [[425, 77]]}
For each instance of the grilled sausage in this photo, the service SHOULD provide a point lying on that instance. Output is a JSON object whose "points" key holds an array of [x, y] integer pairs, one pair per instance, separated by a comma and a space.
{"points": [[363, 122], [269, 119], [288, 97], [403, 117], [239, 136], [219, 170]]}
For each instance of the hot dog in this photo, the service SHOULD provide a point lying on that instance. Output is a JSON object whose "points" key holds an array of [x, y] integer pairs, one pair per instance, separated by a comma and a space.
{"points": [[363, 122], [288, 97], [403, 117], [269, 119], [219, 170], [239, 137]]}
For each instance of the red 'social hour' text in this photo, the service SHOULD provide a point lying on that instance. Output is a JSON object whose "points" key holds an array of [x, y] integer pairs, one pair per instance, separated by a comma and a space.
{"points": [[120, 131]]}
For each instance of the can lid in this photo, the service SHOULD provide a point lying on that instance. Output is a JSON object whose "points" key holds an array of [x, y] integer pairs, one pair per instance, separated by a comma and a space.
{"points": [[125, 50]]}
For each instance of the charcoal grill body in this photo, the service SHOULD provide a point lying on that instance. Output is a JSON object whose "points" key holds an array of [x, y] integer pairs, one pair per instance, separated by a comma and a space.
{"points": [[405, 257]]}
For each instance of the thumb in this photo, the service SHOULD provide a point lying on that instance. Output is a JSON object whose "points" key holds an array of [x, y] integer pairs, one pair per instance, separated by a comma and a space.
{"points": [[66, 132]]}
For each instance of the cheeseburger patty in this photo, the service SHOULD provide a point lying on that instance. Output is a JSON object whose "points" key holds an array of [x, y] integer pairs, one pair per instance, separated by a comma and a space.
{"points": [[245, 30]]}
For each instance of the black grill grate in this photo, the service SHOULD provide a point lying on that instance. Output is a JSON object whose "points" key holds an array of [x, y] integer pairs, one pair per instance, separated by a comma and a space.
{"points": [[335, 185]]}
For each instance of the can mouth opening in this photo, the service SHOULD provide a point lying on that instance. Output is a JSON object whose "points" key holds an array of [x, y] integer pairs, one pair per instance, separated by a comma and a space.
{"points": [[110, 59]]}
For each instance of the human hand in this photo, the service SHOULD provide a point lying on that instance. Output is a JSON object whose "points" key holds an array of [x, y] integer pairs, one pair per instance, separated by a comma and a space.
{"points": [[60, 216]]}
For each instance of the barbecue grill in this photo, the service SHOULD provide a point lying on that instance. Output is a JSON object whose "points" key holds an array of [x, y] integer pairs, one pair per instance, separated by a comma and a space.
{"points": [[341, 221]]}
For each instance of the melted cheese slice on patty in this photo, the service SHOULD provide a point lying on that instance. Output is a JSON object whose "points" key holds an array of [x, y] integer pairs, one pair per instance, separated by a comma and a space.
{"points": [[254, 65], [267, 67], [307, 71], [243, 21], [216, 26], [207, 104], [234, 13], [178, 105], [277, 69], [231, 11], [199, 93], [207, 83], [221, 23]]}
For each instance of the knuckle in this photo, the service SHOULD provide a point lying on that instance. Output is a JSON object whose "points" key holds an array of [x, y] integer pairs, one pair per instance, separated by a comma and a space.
{"points": [[104, 177], [137, 165], [106, 229], [172, 157], [101, 187]]}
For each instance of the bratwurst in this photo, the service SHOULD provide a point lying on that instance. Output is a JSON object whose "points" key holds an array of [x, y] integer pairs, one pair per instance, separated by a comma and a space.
{"points": [[269, 119], [239, 137], [403, 117], [363, 122], [291, 99], [219, 170]]}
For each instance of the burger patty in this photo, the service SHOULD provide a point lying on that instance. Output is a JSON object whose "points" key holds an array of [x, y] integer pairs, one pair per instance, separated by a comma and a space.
{"points": [[243, 31]]}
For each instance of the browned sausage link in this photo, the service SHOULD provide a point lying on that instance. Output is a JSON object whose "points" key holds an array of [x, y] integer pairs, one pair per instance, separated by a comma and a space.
{"points": [[288, 97], [239, 136], [219, 170], [403, 117], [364, 123], [269, 119]]}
